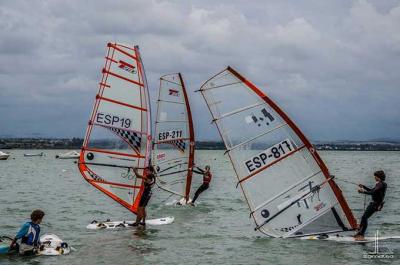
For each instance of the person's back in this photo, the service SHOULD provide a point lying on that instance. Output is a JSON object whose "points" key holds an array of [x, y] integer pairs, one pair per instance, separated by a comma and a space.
{"points": [[29, 234]]}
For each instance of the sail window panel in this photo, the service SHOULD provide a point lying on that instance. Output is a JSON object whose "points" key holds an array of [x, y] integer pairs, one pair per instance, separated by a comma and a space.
{"points": [[248, 124], [253, 156], [221, 80], [325, 223], [126, 194], [118, 116], [295, 207], [171, 112], [230, 98], [123, 91], [172, 167]]}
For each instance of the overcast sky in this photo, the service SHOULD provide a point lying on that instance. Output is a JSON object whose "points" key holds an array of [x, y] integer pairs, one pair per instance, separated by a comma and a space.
{"points": [[333, 66]]}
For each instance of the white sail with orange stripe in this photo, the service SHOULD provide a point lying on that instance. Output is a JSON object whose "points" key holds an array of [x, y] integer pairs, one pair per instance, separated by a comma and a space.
{"points": [[118, 136], [286, 184], [174, 137]]}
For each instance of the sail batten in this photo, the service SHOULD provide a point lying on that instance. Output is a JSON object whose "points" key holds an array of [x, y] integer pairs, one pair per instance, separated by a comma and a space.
{"points": [[118, 137], [286, 184], [174, 137]]}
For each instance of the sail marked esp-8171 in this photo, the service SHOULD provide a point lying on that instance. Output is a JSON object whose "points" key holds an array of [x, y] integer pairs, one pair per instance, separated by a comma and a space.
{"points": [[286, 184]]}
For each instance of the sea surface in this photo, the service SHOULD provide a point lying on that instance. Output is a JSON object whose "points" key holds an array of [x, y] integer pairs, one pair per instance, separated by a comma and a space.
{"points": [[217, 231]]}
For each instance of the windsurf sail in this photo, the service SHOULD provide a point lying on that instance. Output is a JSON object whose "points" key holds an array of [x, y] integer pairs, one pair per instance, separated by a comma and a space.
{"points": [[174, 137], [118, 136], [286, 184]]}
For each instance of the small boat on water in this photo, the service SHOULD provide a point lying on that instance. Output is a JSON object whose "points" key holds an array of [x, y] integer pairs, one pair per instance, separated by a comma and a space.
{"points": [[4, 156], [69, 155], [40, 154]]}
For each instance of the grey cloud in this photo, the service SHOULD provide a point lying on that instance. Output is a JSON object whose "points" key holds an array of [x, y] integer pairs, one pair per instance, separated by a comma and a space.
{"points": [[332, 65]]}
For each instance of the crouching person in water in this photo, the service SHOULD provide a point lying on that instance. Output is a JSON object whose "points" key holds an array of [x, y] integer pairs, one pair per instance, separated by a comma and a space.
{"points": [[29, 235], [207, 176], [149, 180], [378, 196]]}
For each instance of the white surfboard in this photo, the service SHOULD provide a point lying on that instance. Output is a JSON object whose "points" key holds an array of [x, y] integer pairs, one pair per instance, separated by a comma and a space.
{"points": [[349, 239], [52, 245], [95, 225]]}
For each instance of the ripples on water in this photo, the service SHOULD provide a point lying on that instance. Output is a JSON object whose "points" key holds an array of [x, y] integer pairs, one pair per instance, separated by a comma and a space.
{"points": [[216, 231]]}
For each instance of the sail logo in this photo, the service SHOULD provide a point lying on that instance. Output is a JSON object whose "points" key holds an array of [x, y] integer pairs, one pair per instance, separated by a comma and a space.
{"points": [[127, 67], [161, 156], [265, 117], [173, 92]]}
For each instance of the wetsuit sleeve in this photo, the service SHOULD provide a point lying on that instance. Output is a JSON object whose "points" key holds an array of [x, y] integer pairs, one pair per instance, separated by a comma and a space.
{"points": [[374, 190], [23, 231], [366, 188], [199, 171]]}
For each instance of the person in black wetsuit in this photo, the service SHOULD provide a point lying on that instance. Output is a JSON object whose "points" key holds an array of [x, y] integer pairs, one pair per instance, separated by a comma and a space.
{"points": [[207, 176], [149, 181], [378, 196]]}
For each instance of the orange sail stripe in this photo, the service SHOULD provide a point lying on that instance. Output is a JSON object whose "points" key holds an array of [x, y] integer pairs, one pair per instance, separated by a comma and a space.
{"points": [[113, 152], [120, 103], [122, 77]]}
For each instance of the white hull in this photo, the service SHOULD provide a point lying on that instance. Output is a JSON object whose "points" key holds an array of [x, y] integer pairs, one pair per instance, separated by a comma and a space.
{"points": [[69, 155], [4, 156]]}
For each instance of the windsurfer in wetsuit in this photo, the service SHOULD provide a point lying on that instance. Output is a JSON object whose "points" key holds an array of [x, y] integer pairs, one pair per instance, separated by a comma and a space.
{"points": [[207, 176], [149, 181], [29, 235], [378, 196]]}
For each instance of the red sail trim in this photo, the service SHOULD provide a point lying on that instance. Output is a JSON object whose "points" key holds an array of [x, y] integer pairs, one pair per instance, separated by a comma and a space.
{"points": [[271, 164], [111, 59], [122, 77], [172, 140], [122, 51], [120, 103], [83, 169], [105, 85], [115, 184], [111, 152], [191, 139], [142, 78], [338, 193]]}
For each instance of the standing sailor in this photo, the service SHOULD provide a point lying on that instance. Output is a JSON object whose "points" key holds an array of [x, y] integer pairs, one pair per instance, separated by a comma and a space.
{"points": [[207, 176], [29, 234], [378, 196], [149, 181]]}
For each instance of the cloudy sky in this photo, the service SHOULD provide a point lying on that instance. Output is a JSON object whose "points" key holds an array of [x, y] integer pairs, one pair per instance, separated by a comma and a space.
{"points": [[333, 66]]}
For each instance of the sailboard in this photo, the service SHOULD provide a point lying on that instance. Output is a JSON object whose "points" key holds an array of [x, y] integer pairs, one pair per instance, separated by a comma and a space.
{"points": [[287, 186], [94, 225], [174, 142], [350, 239], [118, 136]]}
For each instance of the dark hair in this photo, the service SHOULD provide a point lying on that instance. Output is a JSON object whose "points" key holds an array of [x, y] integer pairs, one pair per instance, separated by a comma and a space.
{"points": [[36, 215], [207, 166], [380, 174]]}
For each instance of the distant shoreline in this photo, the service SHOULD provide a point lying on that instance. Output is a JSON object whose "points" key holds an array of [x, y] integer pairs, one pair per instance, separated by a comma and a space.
{"points": [[76, 143]]}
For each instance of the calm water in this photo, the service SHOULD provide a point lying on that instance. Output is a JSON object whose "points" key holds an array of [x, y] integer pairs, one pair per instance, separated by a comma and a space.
{"points": [[216, 231]]}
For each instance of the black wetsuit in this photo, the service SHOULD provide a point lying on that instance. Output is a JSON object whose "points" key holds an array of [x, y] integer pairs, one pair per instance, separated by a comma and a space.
{"points": [[206, 183], [147, 191], [378, 196]]}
